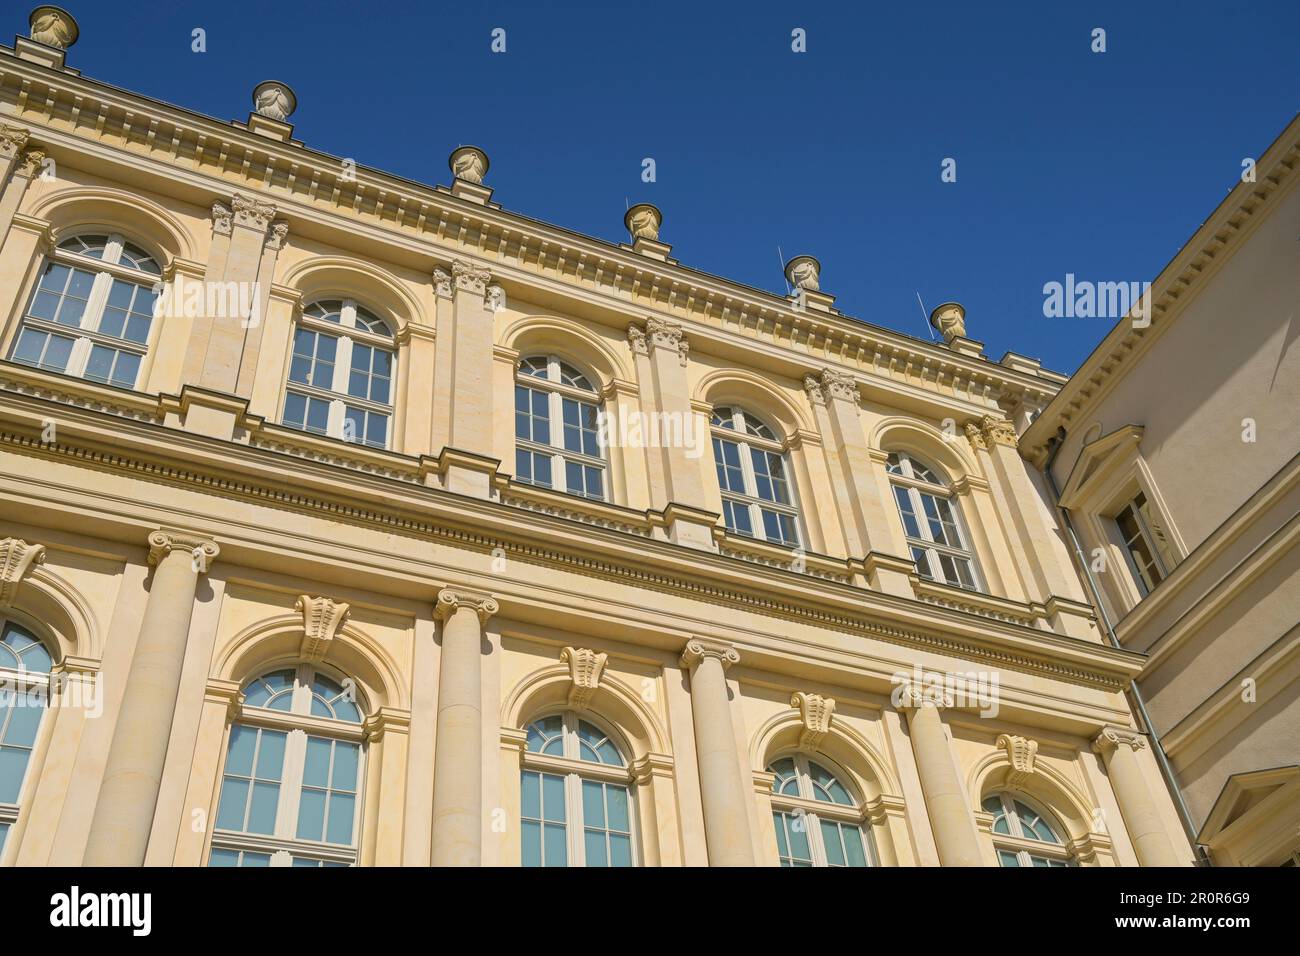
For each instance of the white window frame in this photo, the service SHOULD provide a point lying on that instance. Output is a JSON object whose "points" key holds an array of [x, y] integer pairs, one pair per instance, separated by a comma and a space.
{"points": [[740, 435], [556, 391], [27, 683], [575, 770], [298, 723], [806, 805], [1161, 556], [915, 487], [86, 334], [345, 332], [1026, 848]]}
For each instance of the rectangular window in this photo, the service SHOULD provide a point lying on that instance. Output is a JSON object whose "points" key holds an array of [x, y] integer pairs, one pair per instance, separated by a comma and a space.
{"points": [[113, 366], [607, 825], [250, 787], [544, 831], [532, 416], [129, 312], [371, 373], [313, 359], [62, 295], [43, 349], [792, 839], [736, 514], [226, 857], [327, 804], [20, 717], [580, 432], [365, 427], [306, 412], [533, 467], [1147, 551], [730, 475]]}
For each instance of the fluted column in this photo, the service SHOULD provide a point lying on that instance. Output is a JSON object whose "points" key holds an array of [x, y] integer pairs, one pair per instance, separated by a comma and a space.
{"points": [[722, 791], [458, 753], [951, 820], [119, 831], [1118, 749]]}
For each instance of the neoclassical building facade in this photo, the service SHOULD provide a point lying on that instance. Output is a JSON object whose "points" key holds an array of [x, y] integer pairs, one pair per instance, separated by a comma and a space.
{"points": [[424, 533]]}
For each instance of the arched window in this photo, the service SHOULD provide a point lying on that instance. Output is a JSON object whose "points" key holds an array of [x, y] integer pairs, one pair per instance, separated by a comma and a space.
{"points": [[291, 786], [817, 821], [24, 691], [557, 435], [932, 523], [92, 311], [341, 374], [575, 796], [1022, 836], [758, 497]]}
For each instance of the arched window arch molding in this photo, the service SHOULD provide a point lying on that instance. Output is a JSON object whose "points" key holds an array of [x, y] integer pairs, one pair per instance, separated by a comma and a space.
{"points": [[847, 753], [1048, 792], [619, 709], [731, 386], [338, 277], [951, 453], [260, 646], [83, 208], [572, 339]]}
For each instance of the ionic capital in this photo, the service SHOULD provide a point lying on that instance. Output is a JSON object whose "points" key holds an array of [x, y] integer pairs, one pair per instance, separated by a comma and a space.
{"points": [[321, 620], [912, 695], [1112, 738], [816, 712], [17, 557], [451, 600], [203, 551], [585, 668], [699, 649]]}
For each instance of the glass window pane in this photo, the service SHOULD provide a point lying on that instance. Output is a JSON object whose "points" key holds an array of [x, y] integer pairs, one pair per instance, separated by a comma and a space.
{"points": [[555, 842], [316, 770], [553, 798], [342, 810], [531, 850], [831, 843], [594, 847], [261, 812], [311, 814], [231, 806]]}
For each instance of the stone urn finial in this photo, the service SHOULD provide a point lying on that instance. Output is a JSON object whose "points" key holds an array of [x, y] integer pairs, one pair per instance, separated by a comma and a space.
{"points": [[274, 100], [54, 27], [950, 320], [469, 163], [643, 221], [804, 272]]}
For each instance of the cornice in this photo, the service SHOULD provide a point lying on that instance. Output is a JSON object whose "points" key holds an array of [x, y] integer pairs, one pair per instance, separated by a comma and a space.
{"points": [[1213, 244], [254, 474], [76, 113]]}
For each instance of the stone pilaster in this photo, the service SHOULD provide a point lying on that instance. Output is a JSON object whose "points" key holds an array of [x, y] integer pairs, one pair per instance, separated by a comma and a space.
{"points": [[458, 753], [119, 831], [722, 790], [1118, 748], [951, 820]]}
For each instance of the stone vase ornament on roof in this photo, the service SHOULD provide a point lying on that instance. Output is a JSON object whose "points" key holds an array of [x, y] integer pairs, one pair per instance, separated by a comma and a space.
{"points": [[950, 320], [274, 100], [643, 221], [804, 273], [469, 163], [54, 27]]}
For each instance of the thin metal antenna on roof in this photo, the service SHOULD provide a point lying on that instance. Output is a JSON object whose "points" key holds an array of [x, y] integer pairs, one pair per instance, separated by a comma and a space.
{"points": [[925, 316], [781, 259]]}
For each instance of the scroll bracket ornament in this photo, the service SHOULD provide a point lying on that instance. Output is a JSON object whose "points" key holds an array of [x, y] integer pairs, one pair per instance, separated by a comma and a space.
{"points": [[17, 558], [585, 669], [1022, 754], [816, 712], [322, 619]]}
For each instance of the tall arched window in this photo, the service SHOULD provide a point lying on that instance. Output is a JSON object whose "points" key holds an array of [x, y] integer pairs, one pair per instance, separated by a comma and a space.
{"points": [[575, 796], [92, 311], [24, 691], [818, 823], [758, 496], [1022, 836], [291, 786], [932, 523], [341, 374], [557, 434]]}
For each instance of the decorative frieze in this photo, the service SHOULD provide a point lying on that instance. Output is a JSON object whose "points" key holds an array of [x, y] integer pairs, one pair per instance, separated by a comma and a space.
{"points": [[17, 558], [990, 431], [1021, 752], [321, 620], [816, 712], [469, 277], [585, 668], [251, 212]]}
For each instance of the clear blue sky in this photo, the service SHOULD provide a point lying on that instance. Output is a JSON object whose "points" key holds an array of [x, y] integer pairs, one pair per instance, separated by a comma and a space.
{"points": [[1067, 161]]}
